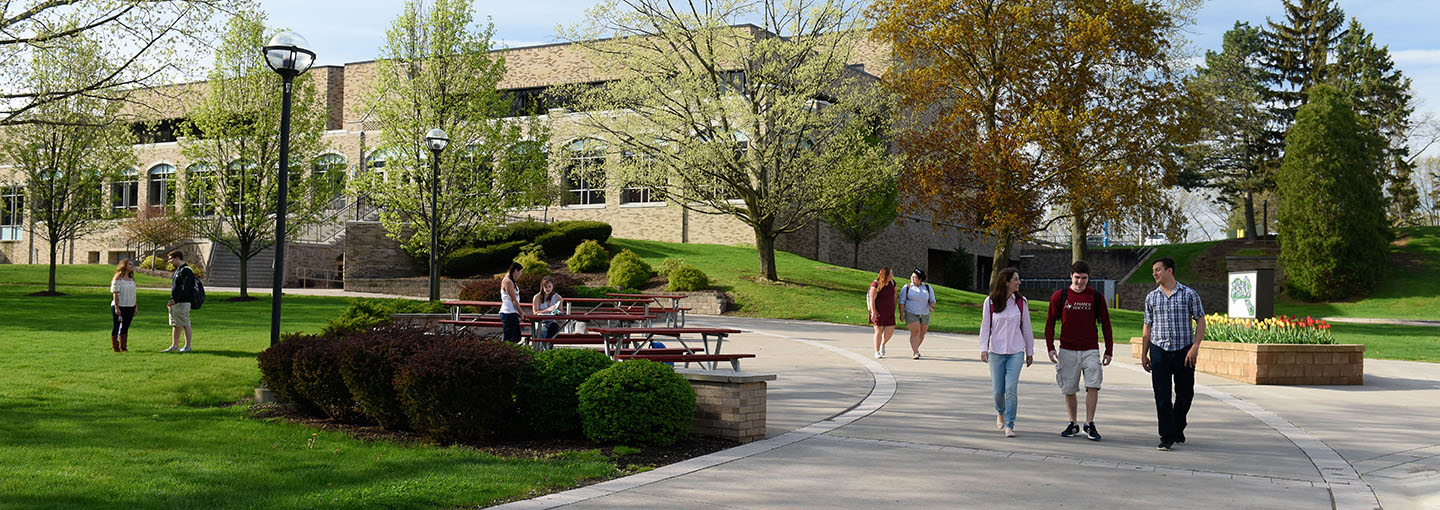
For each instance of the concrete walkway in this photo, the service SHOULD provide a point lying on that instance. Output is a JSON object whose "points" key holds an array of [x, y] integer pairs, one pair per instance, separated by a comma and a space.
{"points": [[849, 431]]}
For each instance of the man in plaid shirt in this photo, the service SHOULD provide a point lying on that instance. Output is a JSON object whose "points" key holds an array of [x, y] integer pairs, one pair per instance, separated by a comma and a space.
{"points": [[1170, 347]]}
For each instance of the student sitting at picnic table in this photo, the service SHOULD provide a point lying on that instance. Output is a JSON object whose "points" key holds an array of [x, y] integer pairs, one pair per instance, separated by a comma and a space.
{"points": [[547, 302]]}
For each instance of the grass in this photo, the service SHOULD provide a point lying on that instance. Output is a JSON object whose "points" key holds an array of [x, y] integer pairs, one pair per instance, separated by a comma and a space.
{"points": [[1407, 291], [1183, 254], [837, 294], [83, 275], [84, 427]]}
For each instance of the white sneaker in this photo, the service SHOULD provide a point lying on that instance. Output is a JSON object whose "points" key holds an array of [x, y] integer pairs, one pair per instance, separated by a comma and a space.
{"points": [[171, 349], [184, 349], [1009, 432], [882, 350], [879, 355]]}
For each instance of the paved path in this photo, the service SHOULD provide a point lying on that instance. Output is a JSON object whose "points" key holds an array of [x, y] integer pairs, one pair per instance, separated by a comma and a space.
{"points": [[848, 431]]}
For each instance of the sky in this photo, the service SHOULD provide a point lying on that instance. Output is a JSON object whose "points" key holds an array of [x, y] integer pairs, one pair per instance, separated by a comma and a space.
{"points": [[352, 30]]}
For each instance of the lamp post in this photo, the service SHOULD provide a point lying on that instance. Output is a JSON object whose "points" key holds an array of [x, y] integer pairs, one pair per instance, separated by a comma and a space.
{"points": [[287, 54], [436, 140]]}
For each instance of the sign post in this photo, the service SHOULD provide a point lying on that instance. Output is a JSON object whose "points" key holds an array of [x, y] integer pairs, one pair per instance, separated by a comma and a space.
{"points": [[1251, 294]]}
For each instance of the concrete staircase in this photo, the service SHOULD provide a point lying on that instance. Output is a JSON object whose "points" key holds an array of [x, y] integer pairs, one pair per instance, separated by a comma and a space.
{"points": [[224, 269]]}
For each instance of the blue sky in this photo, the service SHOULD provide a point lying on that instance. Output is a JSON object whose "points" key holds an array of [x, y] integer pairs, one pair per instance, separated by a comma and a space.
{"points": [[353, 30]]}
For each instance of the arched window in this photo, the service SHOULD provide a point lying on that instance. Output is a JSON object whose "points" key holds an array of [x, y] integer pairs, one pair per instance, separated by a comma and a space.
{"points": [[642, 190], [125, 193], [585, 172], [200, 188], [332, 167], [162, 185], [241, 183]]}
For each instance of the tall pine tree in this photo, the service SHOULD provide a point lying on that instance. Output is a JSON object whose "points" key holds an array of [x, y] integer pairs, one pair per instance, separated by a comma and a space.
{"points": [[1297, 56], [1382, 98]]}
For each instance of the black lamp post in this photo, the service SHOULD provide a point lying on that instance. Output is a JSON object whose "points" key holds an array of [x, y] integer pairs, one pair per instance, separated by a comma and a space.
{"points": [[436, 140], [287, 54]]}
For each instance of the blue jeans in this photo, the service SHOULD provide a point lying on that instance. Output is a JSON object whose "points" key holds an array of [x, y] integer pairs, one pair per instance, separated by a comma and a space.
{"points": [[549, 329], [1005, 380], [510, 327]]}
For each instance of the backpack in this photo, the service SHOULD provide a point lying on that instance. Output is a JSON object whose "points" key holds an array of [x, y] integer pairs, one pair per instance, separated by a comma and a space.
{"points": [[197, 295], [1094, 298], [904, 292]]}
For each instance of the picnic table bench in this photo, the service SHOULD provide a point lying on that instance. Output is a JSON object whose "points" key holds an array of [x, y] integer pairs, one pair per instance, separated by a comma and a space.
{"points": [[733, 358], [674, 314], [460, 325], [627, 336]]}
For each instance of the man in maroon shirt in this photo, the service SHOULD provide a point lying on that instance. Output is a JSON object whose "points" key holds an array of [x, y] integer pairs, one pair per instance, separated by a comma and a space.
{"points": [[1079, 308]]}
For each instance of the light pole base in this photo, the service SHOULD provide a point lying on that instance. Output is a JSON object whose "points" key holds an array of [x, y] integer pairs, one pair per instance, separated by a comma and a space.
{"points": [[266, 396]]}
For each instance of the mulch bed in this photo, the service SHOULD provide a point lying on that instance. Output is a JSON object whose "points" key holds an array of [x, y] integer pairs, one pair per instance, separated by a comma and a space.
{"points": [[529, 448]]}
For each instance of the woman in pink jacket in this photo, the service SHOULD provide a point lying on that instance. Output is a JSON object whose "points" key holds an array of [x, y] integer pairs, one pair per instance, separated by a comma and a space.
{"points": [[1006, 342]]}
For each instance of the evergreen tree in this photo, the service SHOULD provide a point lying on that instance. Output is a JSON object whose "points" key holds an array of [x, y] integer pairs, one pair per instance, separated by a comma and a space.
{"points": [[1382, 98], [1333, 233], [1297, 56]]}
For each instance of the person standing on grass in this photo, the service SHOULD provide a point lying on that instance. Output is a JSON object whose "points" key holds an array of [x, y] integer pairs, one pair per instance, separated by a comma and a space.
{"points": [[1174, 326], [547, 302], [917, 301], [880, 300], [1004, 335], [182, 292], [510, 304], [1079, 309], [122, 305]]}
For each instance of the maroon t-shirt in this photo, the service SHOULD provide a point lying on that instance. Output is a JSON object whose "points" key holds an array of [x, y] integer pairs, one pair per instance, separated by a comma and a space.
{"points": [[1078, 316]]}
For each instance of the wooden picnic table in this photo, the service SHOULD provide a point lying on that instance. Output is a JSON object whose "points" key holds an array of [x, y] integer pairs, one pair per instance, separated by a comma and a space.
{"points": [[675, 317], [622, 335]]}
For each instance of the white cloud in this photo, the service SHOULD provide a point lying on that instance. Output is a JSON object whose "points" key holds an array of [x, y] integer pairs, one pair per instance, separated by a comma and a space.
{"points": [[1416, 57]]}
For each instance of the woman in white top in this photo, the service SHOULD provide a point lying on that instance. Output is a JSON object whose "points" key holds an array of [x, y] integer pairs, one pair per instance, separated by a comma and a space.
{"points": [[510, 304], [1005, 336], [917, 300], [547, 302], [122, 305]]}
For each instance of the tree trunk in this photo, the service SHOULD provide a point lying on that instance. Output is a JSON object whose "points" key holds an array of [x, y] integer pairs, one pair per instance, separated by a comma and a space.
{"points": [[54, 252], [1249, 215], [765, 247], [1002, 258], [244, 268], [1265, 217], [855, 263], [1079, 232]]}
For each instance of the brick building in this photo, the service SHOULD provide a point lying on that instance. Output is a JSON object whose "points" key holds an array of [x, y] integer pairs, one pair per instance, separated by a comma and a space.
{"points": [[158, 181]]}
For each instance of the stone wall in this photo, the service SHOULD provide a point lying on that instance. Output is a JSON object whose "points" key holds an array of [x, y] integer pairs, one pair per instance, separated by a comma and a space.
{"points": [[1108, 264], [1279, 363], [904, 246], [1131, 296], [728, 404], [313, 260], [411, 287], [370, 253]]}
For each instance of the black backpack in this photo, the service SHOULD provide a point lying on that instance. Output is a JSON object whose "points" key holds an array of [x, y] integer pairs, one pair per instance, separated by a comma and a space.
{"points": [[1094, 298], [197, 294]]}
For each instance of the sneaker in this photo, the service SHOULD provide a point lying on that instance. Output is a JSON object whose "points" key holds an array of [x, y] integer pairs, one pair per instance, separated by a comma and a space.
{"points": [[1165, 446], [1070, 430], [882, 350], [1091, 433], [879, 355], [184, 349], [1009, 432], [1180, 440], [999, 422], [171, 349]]}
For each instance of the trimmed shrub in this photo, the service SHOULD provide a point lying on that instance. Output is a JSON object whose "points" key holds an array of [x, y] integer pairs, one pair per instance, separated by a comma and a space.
{"points": [[687, 277], [668, 265], [628, 270], [636, 401], [460, 389], [156, 262], [546, 395], [527, 230], [533, 264], [589, 257], [529, 285], [369, 369], [316, 376], [363, 314], [276, 370], [494, 258], [565, 236], [485, 289]]}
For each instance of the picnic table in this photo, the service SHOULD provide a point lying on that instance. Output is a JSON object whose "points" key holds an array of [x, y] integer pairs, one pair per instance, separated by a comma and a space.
{"points": [[626, 336], [674, 314], [456, 305], [598, 305], [566, 319]]}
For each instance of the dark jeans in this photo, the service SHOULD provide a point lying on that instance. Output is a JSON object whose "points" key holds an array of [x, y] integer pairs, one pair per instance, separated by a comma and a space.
{"points": [[510, 326], [549, 329], [121, 321], [1164, 366]]}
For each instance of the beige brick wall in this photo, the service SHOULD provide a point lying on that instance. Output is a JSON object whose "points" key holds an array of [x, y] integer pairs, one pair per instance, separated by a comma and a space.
{"points": [[1336, 364], [734, 411]]}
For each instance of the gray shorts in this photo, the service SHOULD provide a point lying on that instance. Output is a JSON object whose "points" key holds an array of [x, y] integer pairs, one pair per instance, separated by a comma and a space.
{"points": [[180, 314], [924, 320], [1072, 365]]}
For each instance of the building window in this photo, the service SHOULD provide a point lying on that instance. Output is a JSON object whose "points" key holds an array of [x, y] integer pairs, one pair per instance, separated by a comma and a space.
{"points": [[199, 189], [240, 182], [125, 193], [162, 186], [638, 192], [12, 212], [585, 172], [332, 166]]}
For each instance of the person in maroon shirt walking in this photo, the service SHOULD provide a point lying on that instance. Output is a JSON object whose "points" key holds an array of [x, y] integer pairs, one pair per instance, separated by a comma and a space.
{"points": [[1078, 308]]}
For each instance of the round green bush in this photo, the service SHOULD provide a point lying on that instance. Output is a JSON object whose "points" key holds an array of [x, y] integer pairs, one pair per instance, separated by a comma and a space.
{"points": [[369, 370], [460, 389], [688, 277], [668, 265], [589, 257], [317, 378], [636, 401], [533, 264], [276, 370], [628, 271], [488, 259], [546, 395]]}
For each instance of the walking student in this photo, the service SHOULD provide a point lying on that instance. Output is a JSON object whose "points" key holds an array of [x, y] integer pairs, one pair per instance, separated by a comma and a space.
{"points": [[510, 304], [1079, 309], [182, 292], [917, 301], [122, 305], [1170, 344], [880, 300], [1005, 336]]}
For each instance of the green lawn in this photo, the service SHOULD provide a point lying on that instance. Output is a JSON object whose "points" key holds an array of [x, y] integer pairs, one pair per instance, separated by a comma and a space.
{"points": [[84, 275], [1183, 255], [83, 427], [817, 291], [1408, 291]]}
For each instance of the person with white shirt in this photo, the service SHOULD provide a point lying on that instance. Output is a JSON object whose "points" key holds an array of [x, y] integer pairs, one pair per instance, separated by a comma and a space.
{"points": [[122, 305], [917, 300], [1005, 336]]}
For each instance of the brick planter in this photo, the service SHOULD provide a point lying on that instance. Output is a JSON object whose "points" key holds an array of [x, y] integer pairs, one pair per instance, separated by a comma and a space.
{"points": [[1279, 363], [728, 404]]}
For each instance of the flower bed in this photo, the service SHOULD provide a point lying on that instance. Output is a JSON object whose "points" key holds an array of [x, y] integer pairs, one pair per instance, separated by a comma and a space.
{"points": [[1275, 330], [1279, 350]]}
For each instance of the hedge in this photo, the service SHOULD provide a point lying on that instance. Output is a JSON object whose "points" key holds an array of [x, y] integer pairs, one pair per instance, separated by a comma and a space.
{"points": [[369, 369], [483, 260], [276, 369], [546, 396], [317, 378], [460, 389], [636, 401]]}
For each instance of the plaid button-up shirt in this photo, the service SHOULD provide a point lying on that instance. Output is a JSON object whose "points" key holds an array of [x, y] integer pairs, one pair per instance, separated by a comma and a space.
{"points": [[1170, 317]]}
